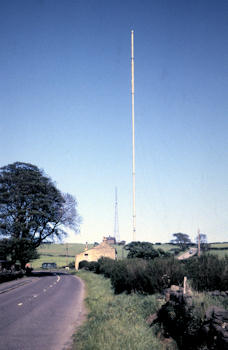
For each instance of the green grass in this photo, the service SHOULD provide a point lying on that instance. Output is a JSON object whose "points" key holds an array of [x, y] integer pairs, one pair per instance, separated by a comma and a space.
{"points": [[115, 322], [166, 246], [61, 249], [202, 301], [219, 245], [57, 253], [220, 253]]}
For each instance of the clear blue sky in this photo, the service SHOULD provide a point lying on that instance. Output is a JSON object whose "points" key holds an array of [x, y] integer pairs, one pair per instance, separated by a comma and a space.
{"points": [[65, 106]]}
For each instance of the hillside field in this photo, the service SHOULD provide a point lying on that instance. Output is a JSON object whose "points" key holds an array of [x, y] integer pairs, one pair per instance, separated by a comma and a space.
{"points": [[58, 252]]}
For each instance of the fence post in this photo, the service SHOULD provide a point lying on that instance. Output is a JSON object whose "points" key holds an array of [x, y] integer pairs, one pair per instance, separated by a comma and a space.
{"points": [[185, 284]]}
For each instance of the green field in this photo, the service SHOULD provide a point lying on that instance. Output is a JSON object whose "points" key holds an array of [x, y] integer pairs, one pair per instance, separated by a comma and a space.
{"points": [[220, 253], [219, 245], [58, 252]]}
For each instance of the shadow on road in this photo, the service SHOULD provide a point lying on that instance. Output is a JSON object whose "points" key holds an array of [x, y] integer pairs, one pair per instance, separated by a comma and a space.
{"points": [[46, 273]]}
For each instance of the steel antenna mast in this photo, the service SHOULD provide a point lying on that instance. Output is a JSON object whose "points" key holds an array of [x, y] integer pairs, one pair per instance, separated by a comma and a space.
{"points": [[133, 131], [116, 221]]}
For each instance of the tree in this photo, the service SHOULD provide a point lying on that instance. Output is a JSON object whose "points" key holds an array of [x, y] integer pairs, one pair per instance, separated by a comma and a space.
{"points": [[32, 210], [143, 250], [181, 239], [203, 241]]}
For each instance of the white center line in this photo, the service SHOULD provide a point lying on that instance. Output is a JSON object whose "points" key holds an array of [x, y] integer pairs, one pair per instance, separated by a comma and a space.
{"points": [[20, 304]]}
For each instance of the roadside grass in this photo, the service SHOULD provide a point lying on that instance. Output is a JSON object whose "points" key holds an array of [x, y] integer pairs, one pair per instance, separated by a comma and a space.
{"points": [[115, 321]]}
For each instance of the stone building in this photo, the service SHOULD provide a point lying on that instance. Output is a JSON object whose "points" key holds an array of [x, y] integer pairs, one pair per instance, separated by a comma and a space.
{"points": [[95, 253], [111, 240]]}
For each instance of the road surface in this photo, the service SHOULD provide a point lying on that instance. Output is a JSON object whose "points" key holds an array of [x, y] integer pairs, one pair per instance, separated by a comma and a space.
{"points": [[186, 255], [40, 313]]}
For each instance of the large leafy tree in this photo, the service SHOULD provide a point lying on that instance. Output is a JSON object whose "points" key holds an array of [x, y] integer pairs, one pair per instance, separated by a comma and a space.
{"points": [[181, 239], [32, 210], [203, 241], [143, 250]]}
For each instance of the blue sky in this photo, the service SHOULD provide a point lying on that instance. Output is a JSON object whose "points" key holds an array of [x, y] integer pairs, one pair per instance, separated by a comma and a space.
{"points": [[65, 106]]}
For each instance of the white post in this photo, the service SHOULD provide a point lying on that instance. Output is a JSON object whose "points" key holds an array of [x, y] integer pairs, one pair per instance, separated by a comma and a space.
{"points": [[185, 284], [133, 132]]}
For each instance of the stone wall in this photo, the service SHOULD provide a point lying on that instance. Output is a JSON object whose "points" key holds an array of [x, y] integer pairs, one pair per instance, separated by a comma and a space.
{"points": [[181, 321]]}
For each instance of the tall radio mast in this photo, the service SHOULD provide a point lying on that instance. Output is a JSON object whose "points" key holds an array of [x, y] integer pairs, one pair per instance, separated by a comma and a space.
{"points": [[116, 220], [133, 131]]}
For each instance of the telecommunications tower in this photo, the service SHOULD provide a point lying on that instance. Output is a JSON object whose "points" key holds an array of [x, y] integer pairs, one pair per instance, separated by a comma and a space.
{"points": [[133, 132], [116, 220]]}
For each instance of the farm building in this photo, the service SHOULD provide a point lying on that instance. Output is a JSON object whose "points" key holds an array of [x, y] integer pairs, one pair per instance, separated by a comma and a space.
{"points": [[111, 240], [95, 253]]}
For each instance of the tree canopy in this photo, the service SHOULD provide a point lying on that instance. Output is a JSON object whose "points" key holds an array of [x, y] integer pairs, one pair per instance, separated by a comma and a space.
{"points": [[181, 239], [143, 250], [203, 241], [32, 210]]}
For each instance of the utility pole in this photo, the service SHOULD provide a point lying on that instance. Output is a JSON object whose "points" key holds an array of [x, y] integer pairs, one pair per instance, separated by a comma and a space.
{"points": [[133, 131], [198, 242], [116, 220]]}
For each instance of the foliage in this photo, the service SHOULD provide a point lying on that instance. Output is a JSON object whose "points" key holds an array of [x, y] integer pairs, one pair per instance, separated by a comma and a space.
{"points": [[90, 266], [139, 275], [152, 276], [208, 272], [181, 239], [143, 250], [204, 246], [4, 249], [71, 265], [32, 210], [115, 321], [105, 266]]}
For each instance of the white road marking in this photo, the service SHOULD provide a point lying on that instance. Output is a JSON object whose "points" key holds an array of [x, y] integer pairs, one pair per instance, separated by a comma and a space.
{"points": [[50, 286], [45, 290], [20, 304], [58, 279], [54, 282], [35, 296]]}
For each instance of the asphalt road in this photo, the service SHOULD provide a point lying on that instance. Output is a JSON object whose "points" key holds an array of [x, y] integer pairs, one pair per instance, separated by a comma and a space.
{"points": [[40, 313]]}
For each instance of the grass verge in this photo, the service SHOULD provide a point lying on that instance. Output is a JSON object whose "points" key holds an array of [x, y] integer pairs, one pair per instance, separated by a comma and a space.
{"points": [[115, 321]]}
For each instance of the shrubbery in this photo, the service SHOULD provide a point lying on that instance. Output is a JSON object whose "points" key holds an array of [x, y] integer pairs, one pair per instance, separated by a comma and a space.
{"points": [[151, 276], [207, 272]]}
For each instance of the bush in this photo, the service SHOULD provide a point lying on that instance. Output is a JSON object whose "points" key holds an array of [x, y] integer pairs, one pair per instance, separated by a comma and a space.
{"points": [[105, 266], [208, 272], [147, 277], [84, 264], [72, 265], [143, 250]]}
